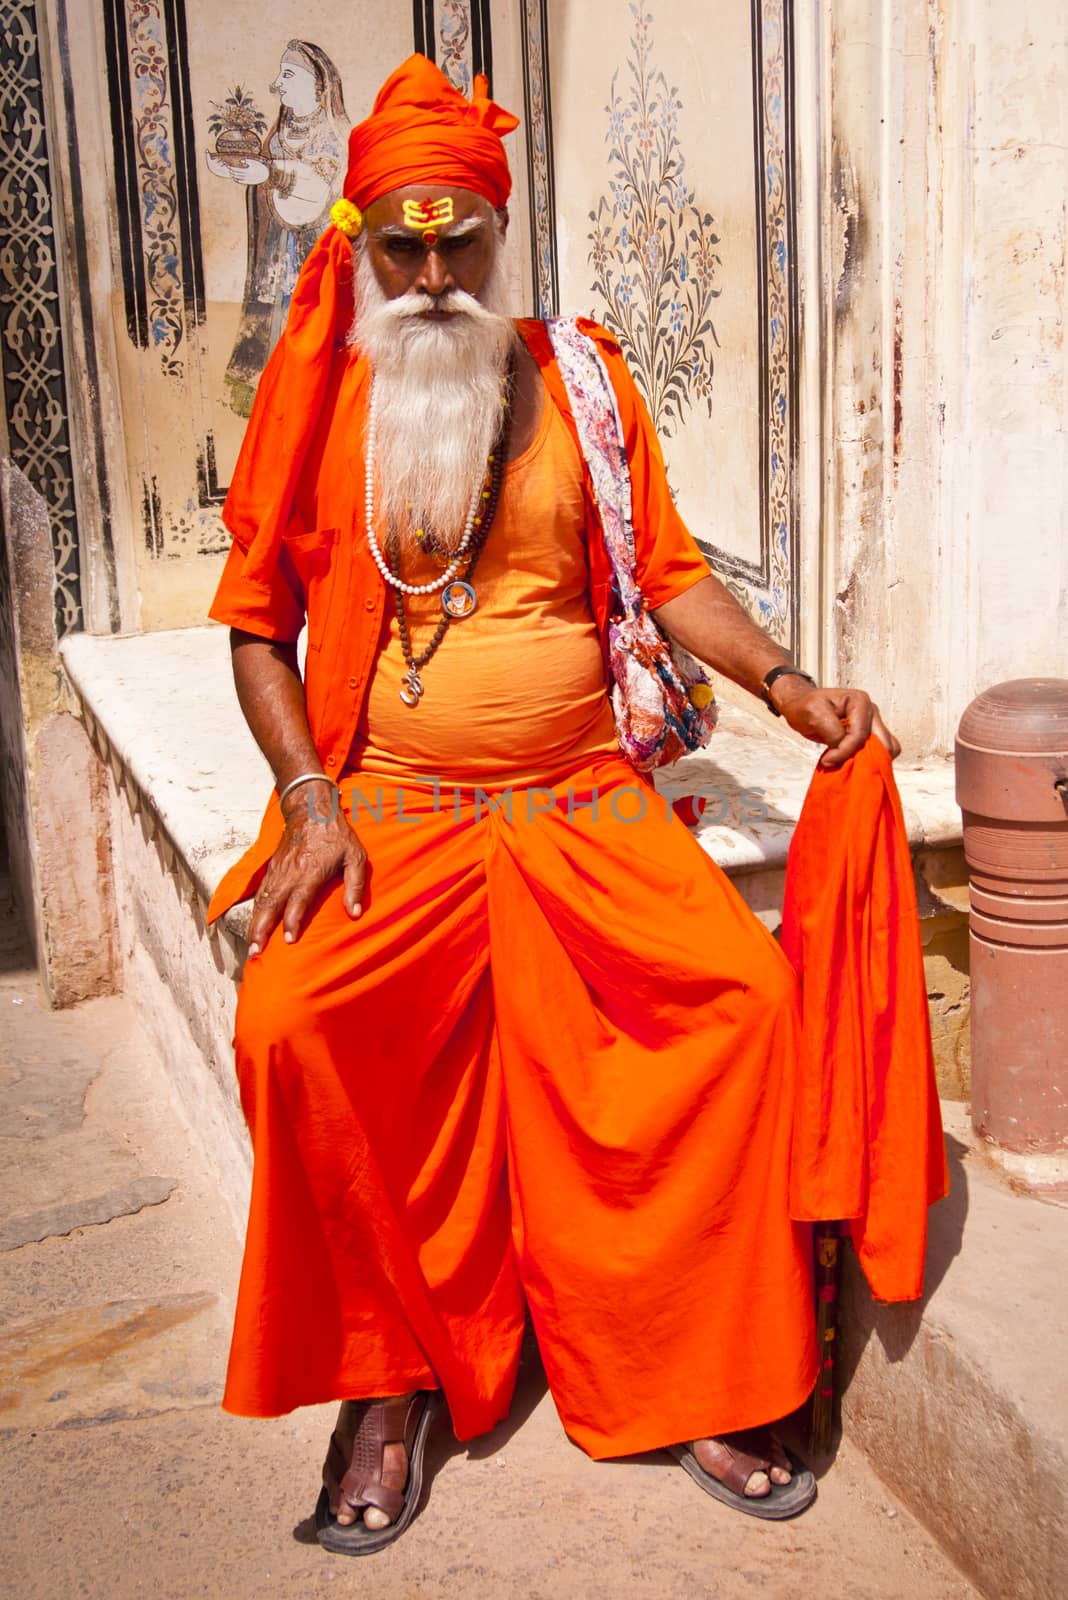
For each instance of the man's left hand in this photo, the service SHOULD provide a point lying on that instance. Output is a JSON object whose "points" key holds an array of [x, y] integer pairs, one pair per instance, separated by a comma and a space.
{"points": [[841, 719]]}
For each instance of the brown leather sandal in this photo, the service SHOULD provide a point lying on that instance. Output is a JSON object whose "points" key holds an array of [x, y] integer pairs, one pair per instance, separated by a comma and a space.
{"points": [[354, 1473], [783, 1499]]}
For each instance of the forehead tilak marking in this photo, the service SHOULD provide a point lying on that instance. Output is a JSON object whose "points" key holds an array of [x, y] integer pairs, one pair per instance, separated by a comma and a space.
{"points": [[424, 214]]}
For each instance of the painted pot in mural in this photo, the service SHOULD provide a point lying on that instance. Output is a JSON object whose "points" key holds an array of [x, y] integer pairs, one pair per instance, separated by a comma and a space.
{"points": [[237, 144], [291, 177]]}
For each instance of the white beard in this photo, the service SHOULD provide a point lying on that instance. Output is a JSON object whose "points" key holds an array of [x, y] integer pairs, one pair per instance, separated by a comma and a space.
{"points": [[438, 389]]}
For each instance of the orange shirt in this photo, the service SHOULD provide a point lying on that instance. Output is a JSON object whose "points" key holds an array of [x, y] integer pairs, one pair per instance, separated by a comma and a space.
{"points": [[517, 688]]}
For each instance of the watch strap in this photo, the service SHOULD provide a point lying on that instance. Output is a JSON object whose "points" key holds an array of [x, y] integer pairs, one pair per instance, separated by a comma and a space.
{"points": [[783, 670]]}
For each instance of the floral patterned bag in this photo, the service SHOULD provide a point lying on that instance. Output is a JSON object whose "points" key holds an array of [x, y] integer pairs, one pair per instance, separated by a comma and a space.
{"points": [[662, 698]]}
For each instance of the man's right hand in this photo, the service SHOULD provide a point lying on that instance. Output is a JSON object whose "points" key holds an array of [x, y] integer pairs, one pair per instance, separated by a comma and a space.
{"points": [[317, 847]]}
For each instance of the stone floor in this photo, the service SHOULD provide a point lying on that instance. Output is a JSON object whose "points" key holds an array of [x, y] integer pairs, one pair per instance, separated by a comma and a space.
{"points": [[121, 1478]]}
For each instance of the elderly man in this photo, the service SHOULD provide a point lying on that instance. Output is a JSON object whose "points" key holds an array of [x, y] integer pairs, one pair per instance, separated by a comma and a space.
{"points": [[506, 1039]]}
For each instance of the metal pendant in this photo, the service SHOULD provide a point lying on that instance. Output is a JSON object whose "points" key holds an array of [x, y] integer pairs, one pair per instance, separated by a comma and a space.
{"points": [[411, 692], [458, 599]]}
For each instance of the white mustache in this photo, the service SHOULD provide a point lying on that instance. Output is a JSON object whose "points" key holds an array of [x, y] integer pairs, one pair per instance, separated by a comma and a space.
{"points": [[456, 302]]}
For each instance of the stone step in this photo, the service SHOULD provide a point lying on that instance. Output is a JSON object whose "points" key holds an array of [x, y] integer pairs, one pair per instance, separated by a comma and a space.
{"points": [[960, 1399]]}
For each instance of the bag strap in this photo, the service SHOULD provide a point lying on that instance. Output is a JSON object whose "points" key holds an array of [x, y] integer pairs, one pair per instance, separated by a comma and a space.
{"points": [[600, 432]]}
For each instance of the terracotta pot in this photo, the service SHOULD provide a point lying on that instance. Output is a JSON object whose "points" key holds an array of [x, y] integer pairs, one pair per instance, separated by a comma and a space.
{"points": [[1012, 787]]}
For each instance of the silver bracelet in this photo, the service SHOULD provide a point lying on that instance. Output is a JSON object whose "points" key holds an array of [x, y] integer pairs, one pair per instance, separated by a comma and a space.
{"points": [[305, 777]]}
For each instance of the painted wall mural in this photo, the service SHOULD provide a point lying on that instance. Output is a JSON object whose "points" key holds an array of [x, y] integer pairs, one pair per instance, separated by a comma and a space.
{"points": [[682, 240], [158, 213], [220, 195], [654, 188], [539, 135], [457, 34], [31, 335], [290, 178], [653, 250]]}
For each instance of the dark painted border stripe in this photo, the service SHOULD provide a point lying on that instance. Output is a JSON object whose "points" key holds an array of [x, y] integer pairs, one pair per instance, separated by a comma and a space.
{"points": [[760, 575], [794, 281], [131, 242], [760, 148], [174, 22], [423, 28], [550, 168], [757, 573], [38, 315], [547, 305], [481, 40]]}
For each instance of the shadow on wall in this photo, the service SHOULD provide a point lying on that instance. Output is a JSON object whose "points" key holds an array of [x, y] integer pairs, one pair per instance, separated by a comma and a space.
{"points": [[16, 952], [896, 1326]]}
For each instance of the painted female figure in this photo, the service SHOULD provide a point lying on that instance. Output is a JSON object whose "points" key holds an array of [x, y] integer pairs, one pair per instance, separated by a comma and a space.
{"points": [[291, 179]]}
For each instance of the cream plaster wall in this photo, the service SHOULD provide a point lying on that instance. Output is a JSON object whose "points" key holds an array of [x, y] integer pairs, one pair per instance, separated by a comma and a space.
{"points": [[1007, 461], [945, 184]]}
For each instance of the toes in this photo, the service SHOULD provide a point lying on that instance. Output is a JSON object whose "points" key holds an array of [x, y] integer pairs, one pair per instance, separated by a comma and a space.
{"points": [[373, 1518], [781, 1466], [757, 1485]]}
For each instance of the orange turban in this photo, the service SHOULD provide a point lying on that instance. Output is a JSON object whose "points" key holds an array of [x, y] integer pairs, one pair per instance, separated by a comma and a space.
{"points": [[423, 130]]}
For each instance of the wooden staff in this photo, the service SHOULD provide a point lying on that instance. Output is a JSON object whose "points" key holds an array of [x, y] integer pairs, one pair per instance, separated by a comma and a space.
{"points": [[826, 1238]]}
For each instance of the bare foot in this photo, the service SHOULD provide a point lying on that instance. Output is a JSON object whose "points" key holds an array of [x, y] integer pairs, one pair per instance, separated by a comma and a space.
{"points": [[367, 1455], [749, 1463]]}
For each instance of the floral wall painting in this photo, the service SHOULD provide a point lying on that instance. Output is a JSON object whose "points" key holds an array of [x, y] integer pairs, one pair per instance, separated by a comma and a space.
{"points": [[653, 248], [674, 170], [454, 43], [290, 176], [457, 34]]}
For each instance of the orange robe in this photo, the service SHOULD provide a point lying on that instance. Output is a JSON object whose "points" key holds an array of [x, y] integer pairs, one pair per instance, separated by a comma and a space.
{"points": [[867, 1141], [553, 1062]]}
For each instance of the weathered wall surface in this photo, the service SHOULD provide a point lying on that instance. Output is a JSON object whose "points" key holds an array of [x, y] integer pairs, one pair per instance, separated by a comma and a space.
{"points": [[946, 184], [51, 784], [182, 981]]}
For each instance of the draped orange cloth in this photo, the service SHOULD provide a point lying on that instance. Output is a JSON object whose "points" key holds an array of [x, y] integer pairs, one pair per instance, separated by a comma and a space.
{"points": [[423, 130], [552, 1063], [867, 1142], [555, 1059]]}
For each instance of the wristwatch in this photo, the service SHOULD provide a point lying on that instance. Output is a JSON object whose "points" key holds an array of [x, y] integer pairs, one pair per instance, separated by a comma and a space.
{"points": [[784, 669]]}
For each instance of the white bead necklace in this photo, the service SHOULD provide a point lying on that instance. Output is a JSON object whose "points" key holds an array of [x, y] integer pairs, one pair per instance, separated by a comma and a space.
{"points": [[369, 518]]}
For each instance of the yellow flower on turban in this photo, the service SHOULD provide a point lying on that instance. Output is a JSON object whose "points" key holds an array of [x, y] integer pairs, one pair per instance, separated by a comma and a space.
{"points": [[347, 218]]}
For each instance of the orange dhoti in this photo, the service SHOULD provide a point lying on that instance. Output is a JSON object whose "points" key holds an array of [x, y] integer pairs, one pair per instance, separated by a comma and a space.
{"points": [[552, 1063]]}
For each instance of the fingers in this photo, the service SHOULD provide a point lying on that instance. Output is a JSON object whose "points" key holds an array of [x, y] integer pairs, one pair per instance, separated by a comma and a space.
{"points": [[267, 908], [296, 911], [355, 871], [843, 719], [883, 734], [309, 861], [854, 713]]}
